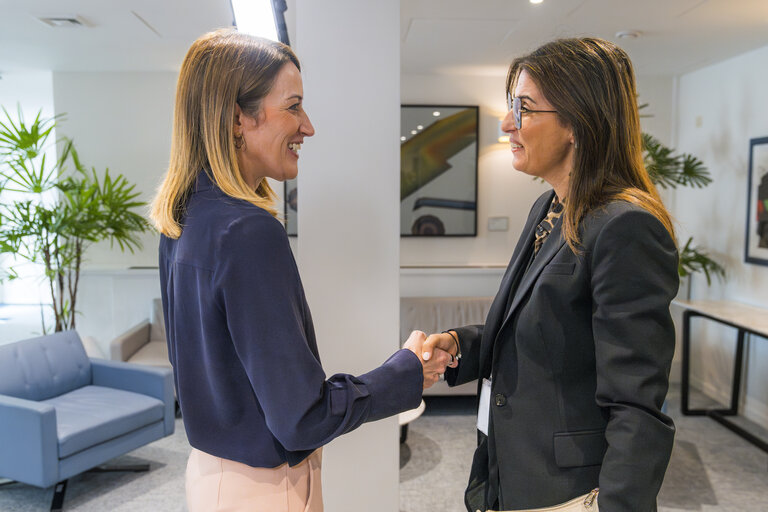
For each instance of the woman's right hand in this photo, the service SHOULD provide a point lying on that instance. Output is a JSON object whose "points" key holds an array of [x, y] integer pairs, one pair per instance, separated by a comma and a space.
{"points": [[436, 363]]}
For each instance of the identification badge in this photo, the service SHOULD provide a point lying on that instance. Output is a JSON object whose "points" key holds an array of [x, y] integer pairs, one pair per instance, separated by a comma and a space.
{"points": [[484, 407]]}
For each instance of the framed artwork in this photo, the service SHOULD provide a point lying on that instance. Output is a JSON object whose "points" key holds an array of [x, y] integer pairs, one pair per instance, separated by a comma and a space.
{"points": [[756, 242], [291, 206], [438, 170]]}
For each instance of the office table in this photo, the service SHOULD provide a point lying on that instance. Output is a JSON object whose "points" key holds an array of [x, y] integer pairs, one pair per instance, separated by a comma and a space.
{"points": [[745, 319]]}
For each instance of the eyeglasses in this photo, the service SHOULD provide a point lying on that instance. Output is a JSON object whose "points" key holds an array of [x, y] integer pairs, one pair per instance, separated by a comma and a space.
{"points": [[516, 106]]}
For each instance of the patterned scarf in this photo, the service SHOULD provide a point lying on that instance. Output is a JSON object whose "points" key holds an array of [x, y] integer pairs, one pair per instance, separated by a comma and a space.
{"points": [[548, 223]]}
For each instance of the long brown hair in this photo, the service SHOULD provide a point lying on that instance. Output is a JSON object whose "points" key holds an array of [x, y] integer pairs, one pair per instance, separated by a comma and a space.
{"points": [[222, 69], [591, 84]]}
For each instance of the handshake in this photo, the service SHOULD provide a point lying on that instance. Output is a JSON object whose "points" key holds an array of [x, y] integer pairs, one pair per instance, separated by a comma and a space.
{"points": [[437, 352]]}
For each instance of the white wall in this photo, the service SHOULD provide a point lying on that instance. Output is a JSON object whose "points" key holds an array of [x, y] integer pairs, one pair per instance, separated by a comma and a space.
{"points": [[121, 121], [658, 117], [719, 109], [33, 92]]}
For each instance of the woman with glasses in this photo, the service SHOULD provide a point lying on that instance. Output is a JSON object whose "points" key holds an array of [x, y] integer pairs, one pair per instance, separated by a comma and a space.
{"points": [[573, 360]]}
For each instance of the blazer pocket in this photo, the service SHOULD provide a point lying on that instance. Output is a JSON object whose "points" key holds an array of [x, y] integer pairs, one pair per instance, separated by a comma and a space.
{"points": [[576, 449], [565, 269]]}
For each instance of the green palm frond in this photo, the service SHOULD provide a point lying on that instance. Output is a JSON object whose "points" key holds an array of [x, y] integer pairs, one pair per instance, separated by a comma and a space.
{"points": [[694, 259], [668, 170]]}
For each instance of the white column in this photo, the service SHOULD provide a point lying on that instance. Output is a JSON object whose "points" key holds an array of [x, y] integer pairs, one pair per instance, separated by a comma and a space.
{"points": [[348, 221]]}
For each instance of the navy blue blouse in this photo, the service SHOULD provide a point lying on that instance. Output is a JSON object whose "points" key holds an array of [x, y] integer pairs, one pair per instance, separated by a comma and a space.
{"points": [[242, 345]]}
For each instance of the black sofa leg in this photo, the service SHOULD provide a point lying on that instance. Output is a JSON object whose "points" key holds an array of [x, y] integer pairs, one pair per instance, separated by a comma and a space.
{"points": [[57, 504], [132, 468], [58, 496]]}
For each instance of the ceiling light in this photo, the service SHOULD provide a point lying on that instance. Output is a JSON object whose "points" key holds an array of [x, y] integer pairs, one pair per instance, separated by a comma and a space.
{"points": [[536, 1], [420, 127], [402, 138], [414, 132], [255, 17], [436, 113], [628, 34]]}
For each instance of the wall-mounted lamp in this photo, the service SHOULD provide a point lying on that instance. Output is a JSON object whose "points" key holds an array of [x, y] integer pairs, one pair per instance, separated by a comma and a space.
{"points": [[503, 138]]}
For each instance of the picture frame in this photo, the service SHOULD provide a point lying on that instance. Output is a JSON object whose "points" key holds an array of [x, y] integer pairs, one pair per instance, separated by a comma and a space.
{"points": [[438, 170], [756, 239]]}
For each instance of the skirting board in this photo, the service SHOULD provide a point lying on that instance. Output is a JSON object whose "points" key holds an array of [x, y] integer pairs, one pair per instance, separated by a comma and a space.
{"points": [[750, 408]]}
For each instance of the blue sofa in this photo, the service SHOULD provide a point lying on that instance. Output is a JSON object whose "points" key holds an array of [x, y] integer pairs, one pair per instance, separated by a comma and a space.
{"points": [[62, 413]]}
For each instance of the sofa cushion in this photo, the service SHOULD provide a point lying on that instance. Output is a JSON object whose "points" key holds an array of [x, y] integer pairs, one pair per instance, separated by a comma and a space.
{"points": [[157, 321], [94, 414], [154, 353], [44, 367]]}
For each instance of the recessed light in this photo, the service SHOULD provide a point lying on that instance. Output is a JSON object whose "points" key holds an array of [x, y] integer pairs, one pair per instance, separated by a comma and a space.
{"points": [[628, 34], [436, 113], [536, 1], [420, 127], [414, 132], [402, 138], [63, 21]]}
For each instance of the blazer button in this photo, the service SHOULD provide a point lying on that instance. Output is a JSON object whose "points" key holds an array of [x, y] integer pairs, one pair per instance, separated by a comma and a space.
{"points": [[501, 400]]}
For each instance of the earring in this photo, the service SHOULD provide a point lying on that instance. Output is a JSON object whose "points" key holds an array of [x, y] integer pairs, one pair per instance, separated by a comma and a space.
{"points": [[239, 141]]}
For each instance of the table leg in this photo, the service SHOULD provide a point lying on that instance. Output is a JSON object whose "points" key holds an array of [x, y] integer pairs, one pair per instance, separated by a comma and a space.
{"points": [[686, 370], [737, 366]]}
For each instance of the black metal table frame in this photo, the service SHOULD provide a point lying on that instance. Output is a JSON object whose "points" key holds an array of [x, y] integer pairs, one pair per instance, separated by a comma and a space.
{"points": [[719, 415]]}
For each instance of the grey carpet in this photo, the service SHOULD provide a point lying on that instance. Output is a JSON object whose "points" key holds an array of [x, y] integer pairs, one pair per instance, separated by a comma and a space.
{"points": [[711, 470]]}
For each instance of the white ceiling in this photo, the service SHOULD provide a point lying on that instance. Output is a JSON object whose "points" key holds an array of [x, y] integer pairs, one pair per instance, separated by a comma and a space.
{"points": [[437, 36], [482, 37], [146, 35]]}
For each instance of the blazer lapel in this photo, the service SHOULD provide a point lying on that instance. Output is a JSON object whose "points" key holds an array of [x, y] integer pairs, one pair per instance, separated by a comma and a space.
{"points": [[517, 264], [552, 245]]}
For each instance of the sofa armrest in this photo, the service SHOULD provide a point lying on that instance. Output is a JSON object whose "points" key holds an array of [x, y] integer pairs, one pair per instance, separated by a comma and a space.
{"points": [[128, 343], [138, 378], [29, 445]]}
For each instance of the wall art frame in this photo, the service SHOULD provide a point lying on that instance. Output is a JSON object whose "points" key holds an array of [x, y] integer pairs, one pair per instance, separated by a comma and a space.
{"points": [[438, 170], [756, 239]]}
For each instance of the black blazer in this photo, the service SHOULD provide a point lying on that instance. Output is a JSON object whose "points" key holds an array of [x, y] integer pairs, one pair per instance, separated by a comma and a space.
{"points": [[579, 349]]}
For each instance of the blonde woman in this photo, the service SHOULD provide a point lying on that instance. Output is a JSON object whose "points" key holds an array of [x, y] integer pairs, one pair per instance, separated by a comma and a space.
{"points": [[256, 403]]}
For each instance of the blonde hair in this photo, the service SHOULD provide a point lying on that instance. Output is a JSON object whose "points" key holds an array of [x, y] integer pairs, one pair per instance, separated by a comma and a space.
{"points": [[222, 69], [591, 84]]}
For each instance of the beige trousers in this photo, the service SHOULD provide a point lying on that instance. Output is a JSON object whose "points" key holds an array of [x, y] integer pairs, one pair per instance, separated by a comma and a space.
{"points": [[221, 485]]}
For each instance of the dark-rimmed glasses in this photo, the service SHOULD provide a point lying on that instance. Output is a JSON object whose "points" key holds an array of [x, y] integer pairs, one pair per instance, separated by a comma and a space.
{"points": [[516, 106]]}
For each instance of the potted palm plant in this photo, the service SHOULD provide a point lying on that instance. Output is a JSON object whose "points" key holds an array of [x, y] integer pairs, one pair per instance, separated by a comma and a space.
{"points": [[59, 209], [670, 170]]}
